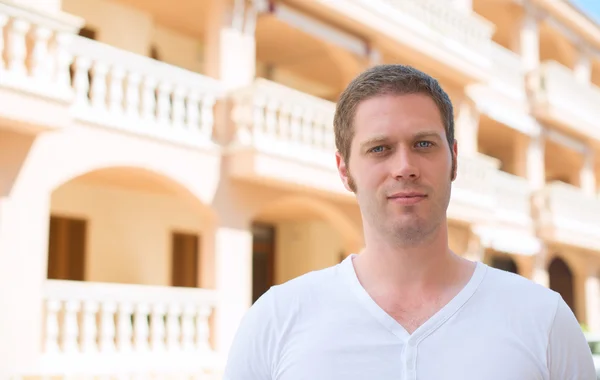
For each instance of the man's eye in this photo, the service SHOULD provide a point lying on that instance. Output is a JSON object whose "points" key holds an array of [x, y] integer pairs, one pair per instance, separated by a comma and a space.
{"points": [[377, 149], [424, 144]]}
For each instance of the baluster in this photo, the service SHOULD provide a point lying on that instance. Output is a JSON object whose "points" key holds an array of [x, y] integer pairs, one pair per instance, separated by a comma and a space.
{"points": [[259, 117], [270, 126], [124, 328], [202, 328], [132, 97], [178, 106], [307, 129], [107, 326], [173, 328], [296, 124], [98, 93], [283, 123], [141, 328], [52, 326], [70, 329], [81, 81], [40, 59], [148, 99], [192, 111], [3, 22], [207, 114], [115, 93], [61, 67], [88, 326], [17, 47], [164, 103], [187, 327], [157, 325]]}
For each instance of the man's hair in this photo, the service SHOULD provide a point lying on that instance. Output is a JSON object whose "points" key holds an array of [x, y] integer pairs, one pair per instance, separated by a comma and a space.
{"points": [[387, 80]]}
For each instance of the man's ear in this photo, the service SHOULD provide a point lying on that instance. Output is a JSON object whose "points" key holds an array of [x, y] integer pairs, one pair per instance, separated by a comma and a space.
{"points": [[454, 160], [343, 171]]}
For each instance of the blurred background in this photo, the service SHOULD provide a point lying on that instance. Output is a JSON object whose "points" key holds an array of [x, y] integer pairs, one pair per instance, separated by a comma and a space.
{"points": [[164, 162]]}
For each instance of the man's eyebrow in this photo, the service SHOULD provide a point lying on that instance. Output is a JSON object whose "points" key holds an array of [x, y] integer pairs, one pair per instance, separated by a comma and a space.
{"points": [[427, 134], [374, 141]]}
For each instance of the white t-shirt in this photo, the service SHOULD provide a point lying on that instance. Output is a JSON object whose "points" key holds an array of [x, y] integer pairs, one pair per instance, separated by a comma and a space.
{"points": [[324, 326]]}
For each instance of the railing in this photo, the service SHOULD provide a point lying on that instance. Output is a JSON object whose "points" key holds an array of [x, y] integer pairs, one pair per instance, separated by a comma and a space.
{"points": [[113, 328], [124, 90], [470, 30], [33, 50], [279, 120], [508, 69], [570, 208], [557, 87], [474, 181], [513, 196]]}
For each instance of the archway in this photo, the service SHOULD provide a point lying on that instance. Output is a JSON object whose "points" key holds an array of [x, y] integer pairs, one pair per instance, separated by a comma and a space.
{"points": [[126, 225], [505, 263], [294, 235], [561, 281]]}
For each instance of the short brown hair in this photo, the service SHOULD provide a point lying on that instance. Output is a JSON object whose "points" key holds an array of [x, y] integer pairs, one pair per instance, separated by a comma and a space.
{"points": [[384, 80]]}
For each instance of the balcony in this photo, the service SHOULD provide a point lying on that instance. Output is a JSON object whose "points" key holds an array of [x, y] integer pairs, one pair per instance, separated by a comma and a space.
{"points": [[570, 217], [124, 91], [472, 199], [561, 100], [97, 84], [443, 37], [513, 199], [285, 137], [97, 329], [34, 68], [507, 72]]}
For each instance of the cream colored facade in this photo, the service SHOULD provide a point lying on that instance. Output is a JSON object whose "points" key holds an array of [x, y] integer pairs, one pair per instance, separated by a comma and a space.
{"points": [[163, 163]]}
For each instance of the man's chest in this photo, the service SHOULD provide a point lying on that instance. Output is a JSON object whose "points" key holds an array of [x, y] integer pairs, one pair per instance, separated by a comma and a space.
{"points": [[352, 352]]}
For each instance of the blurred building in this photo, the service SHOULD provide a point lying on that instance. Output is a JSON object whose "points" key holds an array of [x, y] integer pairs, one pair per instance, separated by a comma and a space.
{"points": [[164, 162]]}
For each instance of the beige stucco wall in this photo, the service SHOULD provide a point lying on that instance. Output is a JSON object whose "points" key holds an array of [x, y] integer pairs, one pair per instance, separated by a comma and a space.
{"points": [[305, 246], [130, 29], [129, 232]]}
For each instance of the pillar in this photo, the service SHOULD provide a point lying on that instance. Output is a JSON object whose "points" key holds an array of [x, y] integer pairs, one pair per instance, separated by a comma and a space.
{"points": [[592, 298], [583, 67], [230, 41], [42, 5], [231, 246], [536, 164], [587, 176], [526, 39], [534, 267], [467, 128], [24, 223]]}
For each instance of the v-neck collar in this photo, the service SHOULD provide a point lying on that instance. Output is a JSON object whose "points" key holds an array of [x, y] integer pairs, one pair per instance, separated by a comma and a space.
{"points": [[432, 323]]}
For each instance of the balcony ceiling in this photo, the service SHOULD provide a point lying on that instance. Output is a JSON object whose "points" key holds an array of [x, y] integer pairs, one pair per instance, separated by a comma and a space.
{"points": [[188, 17]]}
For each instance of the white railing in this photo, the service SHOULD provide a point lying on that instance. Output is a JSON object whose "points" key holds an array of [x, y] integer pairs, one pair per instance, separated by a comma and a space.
{"points": [[470, 30], [33, 50], [97, 328], [124, 90], [571, 208], [279, 120], [474, 181], [513, 196], [508, 69], [558, 88]]}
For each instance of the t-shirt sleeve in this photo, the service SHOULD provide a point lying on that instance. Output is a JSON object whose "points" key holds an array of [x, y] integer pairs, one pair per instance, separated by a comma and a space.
{"points": [[569, 355], [252, 351]]}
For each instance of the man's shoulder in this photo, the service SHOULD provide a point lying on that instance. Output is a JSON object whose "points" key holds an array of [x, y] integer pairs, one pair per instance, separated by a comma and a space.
{"points": [[509, 289]]}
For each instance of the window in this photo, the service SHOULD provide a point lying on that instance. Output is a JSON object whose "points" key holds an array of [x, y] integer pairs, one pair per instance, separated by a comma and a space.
{"points": [[184, 259], [66, 248]]}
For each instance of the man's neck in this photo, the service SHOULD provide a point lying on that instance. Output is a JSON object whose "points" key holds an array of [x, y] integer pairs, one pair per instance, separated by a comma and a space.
{"points": [[419, 267]]}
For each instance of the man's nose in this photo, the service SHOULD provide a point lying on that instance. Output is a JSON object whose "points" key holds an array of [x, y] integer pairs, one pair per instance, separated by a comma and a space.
{"points": [[405, 165]]}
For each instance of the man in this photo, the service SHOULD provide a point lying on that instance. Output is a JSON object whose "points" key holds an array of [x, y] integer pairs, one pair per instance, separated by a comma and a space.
{"points": [[406, 307]]}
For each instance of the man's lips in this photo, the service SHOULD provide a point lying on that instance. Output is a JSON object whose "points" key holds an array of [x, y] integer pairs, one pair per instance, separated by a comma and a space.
{"points": [[407, 198]]}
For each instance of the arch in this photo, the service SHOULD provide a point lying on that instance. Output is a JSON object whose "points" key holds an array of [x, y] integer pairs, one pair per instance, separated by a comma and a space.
{"points": [[561, 280], [505, 262], [60, 159], [350, 233]]}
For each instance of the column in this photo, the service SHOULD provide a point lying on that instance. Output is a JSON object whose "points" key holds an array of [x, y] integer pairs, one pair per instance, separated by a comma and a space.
{"points": [[536, 166], [583, 67], [231, 246], [43, 5], [526, 40], [230, 42], [592, 298], [467, 128], [24, 220], [534, 267], [587, 177]]}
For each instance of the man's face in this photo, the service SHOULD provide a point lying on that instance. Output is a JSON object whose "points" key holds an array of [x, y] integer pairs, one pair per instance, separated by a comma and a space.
{"points": [[401, 166]]}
